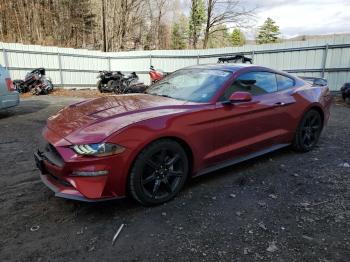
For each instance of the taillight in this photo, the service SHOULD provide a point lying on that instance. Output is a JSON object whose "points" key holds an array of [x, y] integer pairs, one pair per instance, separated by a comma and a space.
{"points": [[9, 84]]}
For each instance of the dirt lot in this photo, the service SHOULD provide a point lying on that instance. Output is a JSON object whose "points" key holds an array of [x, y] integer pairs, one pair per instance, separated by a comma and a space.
{"points": [[283, 206]]}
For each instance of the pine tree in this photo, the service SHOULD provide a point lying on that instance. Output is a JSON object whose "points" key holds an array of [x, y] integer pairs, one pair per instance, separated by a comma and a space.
{"points": [[178, 35], [177, 41], [237, 37], [197, 19], [268, 32]]}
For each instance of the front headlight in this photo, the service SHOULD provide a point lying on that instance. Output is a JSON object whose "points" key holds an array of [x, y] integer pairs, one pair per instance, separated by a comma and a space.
{"points": [[103, 149]]}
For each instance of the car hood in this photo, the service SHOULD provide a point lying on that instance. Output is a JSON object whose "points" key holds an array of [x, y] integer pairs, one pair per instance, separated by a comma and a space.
{"points": [[92, 121]]}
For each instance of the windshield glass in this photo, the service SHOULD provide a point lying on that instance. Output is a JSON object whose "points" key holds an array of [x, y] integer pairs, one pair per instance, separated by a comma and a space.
{"points": [[195, 85]]}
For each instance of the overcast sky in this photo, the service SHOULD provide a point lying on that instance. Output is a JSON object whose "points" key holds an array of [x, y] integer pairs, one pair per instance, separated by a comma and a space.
{"points": [[300, 17]]}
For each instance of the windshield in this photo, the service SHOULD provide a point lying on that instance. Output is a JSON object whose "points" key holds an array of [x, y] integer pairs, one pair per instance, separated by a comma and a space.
{"points": [[195, 85]]}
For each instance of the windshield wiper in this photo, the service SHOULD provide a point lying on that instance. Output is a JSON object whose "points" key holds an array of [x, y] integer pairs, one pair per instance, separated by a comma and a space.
{"points": [[155, 94], [166, 96]]}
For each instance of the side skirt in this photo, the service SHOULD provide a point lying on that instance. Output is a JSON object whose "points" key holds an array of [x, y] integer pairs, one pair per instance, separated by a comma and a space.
{"points": [[240, 159]]}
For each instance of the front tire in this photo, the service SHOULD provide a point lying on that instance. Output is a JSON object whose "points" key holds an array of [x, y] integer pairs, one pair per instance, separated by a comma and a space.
{"points": [[159, 172], [308, 132]]}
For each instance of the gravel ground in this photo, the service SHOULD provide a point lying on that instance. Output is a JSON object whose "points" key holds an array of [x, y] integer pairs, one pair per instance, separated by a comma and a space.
{"points": [[283, 206]]}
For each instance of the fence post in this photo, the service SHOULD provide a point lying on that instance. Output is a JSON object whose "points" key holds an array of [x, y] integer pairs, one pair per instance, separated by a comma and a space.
{"points": [[150, 59], [324, 60], [6, 62], [109, 63], [197, 59], [253, 53], [60, 69]]}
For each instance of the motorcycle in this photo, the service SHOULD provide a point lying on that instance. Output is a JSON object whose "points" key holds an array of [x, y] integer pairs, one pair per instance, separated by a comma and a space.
{"points": [[156, 75], [34, 81], [44, 88], [109, 80], [239, 58], [130, 84], [345, 92]]}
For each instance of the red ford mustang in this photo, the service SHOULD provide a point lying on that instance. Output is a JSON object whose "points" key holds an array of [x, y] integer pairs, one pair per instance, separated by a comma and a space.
{"points": [[194, 121]]}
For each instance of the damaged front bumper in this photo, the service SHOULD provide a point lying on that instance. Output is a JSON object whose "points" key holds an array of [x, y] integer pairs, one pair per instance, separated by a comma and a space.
{"points": [[68, 187]]}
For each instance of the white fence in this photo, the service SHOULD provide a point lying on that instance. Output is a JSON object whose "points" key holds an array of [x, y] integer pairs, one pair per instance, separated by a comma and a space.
{"points": [[329, 58]]}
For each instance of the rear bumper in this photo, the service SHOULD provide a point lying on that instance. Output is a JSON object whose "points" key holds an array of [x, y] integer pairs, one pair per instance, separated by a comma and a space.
{"points": [[9, 100], [328, 100]]}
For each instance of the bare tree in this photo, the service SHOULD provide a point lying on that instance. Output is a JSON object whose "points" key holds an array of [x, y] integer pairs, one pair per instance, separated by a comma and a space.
{"points": [[103, 25], [129, 24], [161, 8], [157, 11], [221, 12]]}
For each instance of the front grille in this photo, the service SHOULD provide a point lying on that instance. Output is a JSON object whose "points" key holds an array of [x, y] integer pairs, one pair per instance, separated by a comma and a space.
{"points": [[52, 156]]}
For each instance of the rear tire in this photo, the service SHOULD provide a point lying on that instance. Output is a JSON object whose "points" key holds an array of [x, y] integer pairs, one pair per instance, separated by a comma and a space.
{"points": [[347, 100], [308, 131], [159, 172], [99, 86], [113, 86]]}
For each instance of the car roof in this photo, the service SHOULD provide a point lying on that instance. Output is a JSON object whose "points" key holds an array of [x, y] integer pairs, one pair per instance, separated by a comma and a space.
{"points": [[221, 66], [232, 67], [310, 78]]}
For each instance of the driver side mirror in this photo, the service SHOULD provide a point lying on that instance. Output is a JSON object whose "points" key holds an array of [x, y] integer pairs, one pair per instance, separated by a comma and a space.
{"points": [[240, 97]]}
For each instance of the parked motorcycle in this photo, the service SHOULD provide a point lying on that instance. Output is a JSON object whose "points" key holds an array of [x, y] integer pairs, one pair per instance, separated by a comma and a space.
{"points": [[43, 88], [130, 84], [239, 58], [156, 74], [109, 80], [345, 92], [34, 81]]}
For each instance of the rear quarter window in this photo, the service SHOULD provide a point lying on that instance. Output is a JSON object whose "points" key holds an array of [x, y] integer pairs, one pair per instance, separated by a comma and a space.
{"points": [[284, 82], [255, 82]]}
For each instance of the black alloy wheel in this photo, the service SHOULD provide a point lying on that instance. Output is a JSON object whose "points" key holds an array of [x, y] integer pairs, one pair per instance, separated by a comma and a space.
{"points": [[308, 132], [159, 172]]}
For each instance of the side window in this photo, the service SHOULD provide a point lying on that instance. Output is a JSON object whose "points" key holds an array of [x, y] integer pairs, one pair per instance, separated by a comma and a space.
{"points": [[284, 82], [256, 83]]}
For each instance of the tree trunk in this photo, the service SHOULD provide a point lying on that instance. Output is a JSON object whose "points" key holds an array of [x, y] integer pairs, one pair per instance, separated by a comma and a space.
{"points": [[207, 27], [103, 21], [206, 38]]}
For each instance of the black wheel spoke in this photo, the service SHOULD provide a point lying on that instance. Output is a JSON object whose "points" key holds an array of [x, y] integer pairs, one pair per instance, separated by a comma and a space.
{"points": [[151, 163], [168, 186], [173, 173], [149, 179], [155, 188], [305, 138], [173, 160], [313, 121], [307, 122]]}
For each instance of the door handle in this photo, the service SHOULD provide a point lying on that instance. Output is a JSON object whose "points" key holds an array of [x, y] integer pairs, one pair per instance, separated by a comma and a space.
{"points": [[280, 104]]}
